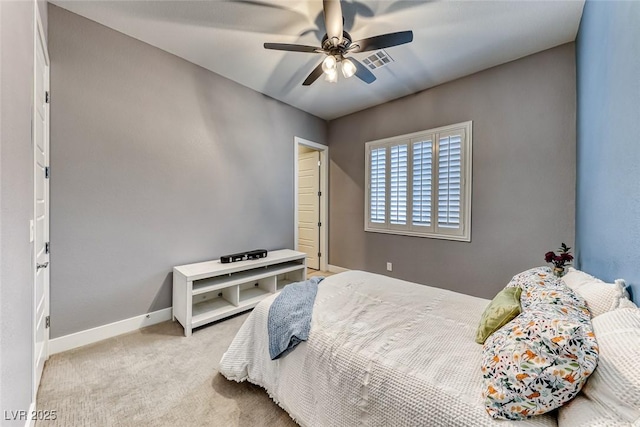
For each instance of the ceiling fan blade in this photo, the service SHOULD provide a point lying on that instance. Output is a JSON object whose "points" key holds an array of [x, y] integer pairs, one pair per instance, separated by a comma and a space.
{"points": [[317, 72], [383, 41], [292, 47], [362, 72], [333, 20]]}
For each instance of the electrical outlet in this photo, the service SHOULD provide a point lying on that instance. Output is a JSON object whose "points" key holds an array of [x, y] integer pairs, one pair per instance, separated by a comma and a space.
{"points": [[389, 266]]}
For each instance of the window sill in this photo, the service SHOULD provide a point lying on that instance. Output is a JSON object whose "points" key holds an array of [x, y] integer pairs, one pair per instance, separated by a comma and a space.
{"points": [[417, 234]]}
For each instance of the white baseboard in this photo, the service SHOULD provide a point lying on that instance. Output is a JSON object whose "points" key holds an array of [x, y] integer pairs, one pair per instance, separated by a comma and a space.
{"points": [[78, 339], [336, 269]]}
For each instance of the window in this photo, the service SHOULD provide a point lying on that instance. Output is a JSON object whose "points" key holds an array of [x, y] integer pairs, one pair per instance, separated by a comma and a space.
{"points": [[420, 184]]}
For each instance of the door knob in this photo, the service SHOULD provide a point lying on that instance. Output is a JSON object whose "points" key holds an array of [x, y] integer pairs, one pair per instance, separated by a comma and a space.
{"points": [[39, 266]]}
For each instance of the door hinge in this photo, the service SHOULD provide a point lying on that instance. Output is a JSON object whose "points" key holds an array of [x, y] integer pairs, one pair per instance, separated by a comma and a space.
{"points": [[47, 172], [47, 97], [319, 254], [47, 322], [319, 224], [319, 193], [47, 247]]}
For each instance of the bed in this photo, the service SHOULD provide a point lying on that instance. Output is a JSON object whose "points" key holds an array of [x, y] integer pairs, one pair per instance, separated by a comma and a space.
{"points": [[381, 351]]}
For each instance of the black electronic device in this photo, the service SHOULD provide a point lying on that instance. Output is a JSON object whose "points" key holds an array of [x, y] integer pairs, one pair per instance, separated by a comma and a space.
{"points": [[225, 259], [257, 254]]}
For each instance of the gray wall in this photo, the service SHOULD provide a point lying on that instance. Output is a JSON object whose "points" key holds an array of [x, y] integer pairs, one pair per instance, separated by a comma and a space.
{"points": [[608, 192], [156, 162], [523, 203], [16, 206]]}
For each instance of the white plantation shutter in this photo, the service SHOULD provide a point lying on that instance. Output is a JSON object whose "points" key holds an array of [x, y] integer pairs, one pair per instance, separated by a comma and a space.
{"points": [[378, 185], [422, 186], [449, 180], [398, 184]]}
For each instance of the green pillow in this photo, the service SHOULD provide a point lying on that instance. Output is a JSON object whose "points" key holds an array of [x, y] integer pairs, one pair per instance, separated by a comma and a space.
{"points": [[504, 307]]}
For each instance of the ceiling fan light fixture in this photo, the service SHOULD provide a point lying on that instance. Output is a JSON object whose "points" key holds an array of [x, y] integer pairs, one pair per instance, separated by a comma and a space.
{"points": [[332, 77], [348, 68], [337, 43], [329, 65]]}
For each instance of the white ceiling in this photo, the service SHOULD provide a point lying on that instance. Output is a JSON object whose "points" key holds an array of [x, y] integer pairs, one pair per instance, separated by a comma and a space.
{"points": [[451, 39]]}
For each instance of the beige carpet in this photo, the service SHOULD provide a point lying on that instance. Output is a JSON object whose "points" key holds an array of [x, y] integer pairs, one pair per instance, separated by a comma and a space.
{"points": [[154, 377]]}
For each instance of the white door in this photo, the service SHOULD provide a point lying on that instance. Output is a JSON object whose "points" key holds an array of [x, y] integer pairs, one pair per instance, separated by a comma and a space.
{"points": [[41, 206], [309, 207]]}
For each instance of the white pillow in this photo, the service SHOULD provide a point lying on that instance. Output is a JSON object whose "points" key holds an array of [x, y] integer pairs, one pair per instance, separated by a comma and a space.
{"points": [[600, 296], [612, 394], [627, 303]]}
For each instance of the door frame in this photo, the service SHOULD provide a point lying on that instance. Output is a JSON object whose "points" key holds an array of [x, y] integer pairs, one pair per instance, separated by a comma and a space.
{"points": [[39, 37], [324, 198]]}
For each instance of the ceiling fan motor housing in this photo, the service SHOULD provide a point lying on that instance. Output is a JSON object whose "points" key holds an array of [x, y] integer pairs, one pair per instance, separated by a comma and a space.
{"points": [[327, 44]]}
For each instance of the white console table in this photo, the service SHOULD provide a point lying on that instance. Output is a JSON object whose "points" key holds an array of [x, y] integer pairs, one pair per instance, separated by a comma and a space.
{"points": [[208, 291]]}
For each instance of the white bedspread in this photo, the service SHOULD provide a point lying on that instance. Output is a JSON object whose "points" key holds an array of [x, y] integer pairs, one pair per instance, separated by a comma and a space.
{"points": [[381, 352]]}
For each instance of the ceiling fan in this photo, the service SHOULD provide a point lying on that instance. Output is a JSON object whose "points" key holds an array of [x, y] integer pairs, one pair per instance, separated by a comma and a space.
{"points": [[337, 43]]}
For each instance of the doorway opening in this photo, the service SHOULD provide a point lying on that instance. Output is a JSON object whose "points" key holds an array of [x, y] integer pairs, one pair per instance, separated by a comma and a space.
{"points": [[311, 219]]}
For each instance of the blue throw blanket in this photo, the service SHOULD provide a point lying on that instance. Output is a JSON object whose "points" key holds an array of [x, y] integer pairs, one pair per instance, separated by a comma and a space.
{"points": [[289, 319]]}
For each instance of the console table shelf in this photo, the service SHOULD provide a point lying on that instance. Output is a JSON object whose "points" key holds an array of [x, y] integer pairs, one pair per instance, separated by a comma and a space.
{"points": [[208, 291]]}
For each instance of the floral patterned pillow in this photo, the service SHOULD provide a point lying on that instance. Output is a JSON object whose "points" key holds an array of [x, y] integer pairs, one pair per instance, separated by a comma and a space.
{"points": [[542, 358]]}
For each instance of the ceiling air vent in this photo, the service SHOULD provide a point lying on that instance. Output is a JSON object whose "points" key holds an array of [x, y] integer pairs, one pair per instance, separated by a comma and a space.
{"points": [[377, 60]]}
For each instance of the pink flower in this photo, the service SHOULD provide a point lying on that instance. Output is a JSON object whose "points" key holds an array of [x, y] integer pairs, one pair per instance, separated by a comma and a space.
{"points": [[563, 257], [548, 257]]}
